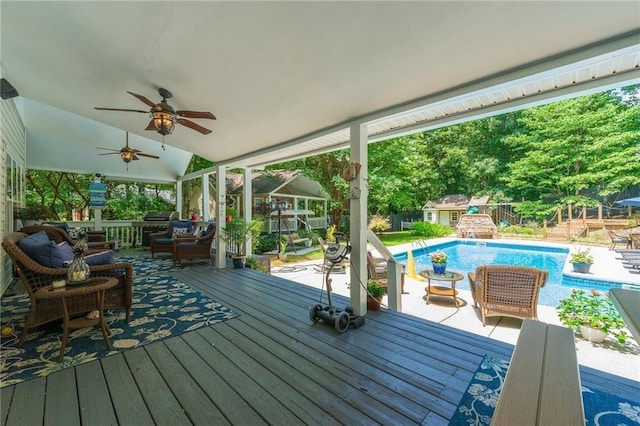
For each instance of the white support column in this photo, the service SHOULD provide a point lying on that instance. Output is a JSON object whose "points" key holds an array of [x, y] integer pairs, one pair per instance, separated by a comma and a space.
{"points": [[221, 196], [206, 214], [179, 198], [358, 194], [247, 205], [97, 211]]}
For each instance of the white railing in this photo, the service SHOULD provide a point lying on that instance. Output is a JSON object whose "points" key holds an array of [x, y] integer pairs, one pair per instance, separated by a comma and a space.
{"points": [[119, 230]]}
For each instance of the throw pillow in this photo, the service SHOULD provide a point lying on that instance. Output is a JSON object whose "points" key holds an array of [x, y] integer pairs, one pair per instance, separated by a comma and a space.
{"points": [[38, 247], [102, 258], [66, 251], [179, 231]]}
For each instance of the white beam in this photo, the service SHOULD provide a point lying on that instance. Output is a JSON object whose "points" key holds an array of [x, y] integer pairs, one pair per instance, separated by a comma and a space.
{"points": [[179, 199], [247, 205], [358, 194], [221, 195], [206, 214]]}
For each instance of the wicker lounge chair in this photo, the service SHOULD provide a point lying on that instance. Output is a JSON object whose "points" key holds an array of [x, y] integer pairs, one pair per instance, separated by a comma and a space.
{"points": [[378, 270], [505, 290], [618, 239], [35, 276], [192, 247]]}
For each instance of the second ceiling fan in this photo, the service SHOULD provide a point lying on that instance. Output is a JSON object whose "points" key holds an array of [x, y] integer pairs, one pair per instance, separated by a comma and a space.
{"points": [[164, 117], [128, 154]]}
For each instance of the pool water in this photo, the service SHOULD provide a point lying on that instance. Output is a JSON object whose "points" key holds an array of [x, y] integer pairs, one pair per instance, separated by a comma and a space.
{"points": [[466, 256]]}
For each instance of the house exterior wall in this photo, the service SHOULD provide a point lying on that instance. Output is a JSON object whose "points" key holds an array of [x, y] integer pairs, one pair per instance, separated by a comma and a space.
{"points": [[430, 215], [13, 151]]}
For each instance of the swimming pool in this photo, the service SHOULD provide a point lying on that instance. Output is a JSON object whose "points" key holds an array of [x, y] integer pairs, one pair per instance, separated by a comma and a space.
{"points": [[465, 256]]}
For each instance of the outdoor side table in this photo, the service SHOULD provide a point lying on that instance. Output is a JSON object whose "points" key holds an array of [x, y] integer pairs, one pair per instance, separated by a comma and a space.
{"points": [[97, 286], [450, 276]]}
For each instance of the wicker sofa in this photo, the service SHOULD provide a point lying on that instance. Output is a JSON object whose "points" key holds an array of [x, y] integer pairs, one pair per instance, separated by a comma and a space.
{"points": [[506, 290], [59, 235], [35, 276]]}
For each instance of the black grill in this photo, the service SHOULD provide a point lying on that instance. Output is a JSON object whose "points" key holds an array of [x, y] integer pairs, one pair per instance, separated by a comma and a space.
{"points": [[154, 222]]}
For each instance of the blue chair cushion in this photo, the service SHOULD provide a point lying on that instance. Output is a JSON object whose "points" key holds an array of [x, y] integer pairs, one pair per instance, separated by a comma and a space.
{"points": [[102, 258], [211, 227], [163, 241], [38, 247]]}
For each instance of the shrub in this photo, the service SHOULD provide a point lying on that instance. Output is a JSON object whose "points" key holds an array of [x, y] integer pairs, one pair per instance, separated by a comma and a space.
{"points": [[330, 231], [428, 229], [379, 223], [265, 243]]}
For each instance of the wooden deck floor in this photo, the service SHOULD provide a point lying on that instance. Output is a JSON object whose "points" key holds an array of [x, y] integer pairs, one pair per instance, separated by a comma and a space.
{"points": [[272, 366]]}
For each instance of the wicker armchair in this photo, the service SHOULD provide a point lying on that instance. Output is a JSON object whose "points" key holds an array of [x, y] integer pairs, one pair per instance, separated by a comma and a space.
{"points": [[378, 270], [505, 290], [193, 247], [59, 235], [162, 242], [34, 276], [618, 239]]}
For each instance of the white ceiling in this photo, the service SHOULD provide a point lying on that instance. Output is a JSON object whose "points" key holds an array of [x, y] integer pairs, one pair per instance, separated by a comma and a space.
{"points": [[276, 73]]}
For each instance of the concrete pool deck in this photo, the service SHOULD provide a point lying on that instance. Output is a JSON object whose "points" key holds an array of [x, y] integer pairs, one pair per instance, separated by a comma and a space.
{"points": [[610, 357]]}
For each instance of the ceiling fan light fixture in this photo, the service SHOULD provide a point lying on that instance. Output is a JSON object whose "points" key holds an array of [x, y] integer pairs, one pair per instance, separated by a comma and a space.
{"points": [[164, 122], [126, 156]]}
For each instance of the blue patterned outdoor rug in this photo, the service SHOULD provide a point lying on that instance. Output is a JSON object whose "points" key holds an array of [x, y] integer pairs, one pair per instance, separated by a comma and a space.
{"points": [[162, 307], [479, 401]]}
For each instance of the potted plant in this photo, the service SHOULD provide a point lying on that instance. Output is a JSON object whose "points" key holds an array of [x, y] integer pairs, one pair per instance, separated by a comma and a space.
{"points": [[375, 292], [439, 260], [230, 213], [235, 234], [581, 260], [593, 315]]}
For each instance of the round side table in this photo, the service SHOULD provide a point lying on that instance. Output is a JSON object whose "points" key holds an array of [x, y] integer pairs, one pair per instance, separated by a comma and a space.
{"points": [[450, 276]]}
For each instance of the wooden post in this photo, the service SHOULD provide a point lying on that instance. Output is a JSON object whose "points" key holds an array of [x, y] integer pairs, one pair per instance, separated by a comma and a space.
{"points": [[569, 219], [600, 212], [559, 215]]}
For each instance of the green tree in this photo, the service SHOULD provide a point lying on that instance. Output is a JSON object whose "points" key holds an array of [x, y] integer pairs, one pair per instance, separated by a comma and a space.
{"points": [[569, 148]]}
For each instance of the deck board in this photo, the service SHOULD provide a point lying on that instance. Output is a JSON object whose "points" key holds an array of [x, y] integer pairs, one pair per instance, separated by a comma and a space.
{"points": [[60, 404], [272, 365], [127, 400]]}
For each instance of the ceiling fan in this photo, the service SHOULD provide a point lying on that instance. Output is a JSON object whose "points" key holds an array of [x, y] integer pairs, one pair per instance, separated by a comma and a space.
{"points": [[164, 117], [128, 154]]}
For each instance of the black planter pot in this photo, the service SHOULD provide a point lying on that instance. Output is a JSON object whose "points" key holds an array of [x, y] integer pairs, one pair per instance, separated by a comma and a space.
{"points": [[238, 262]]}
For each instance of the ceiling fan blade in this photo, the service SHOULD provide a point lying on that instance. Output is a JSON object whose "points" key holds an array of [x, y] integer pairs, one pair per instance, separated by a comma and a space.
{"points": [[143, 99], [108, 149], [150, 126], [196, 114], [142, 154], [109, 153], [194, 126], [121, 109]]}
